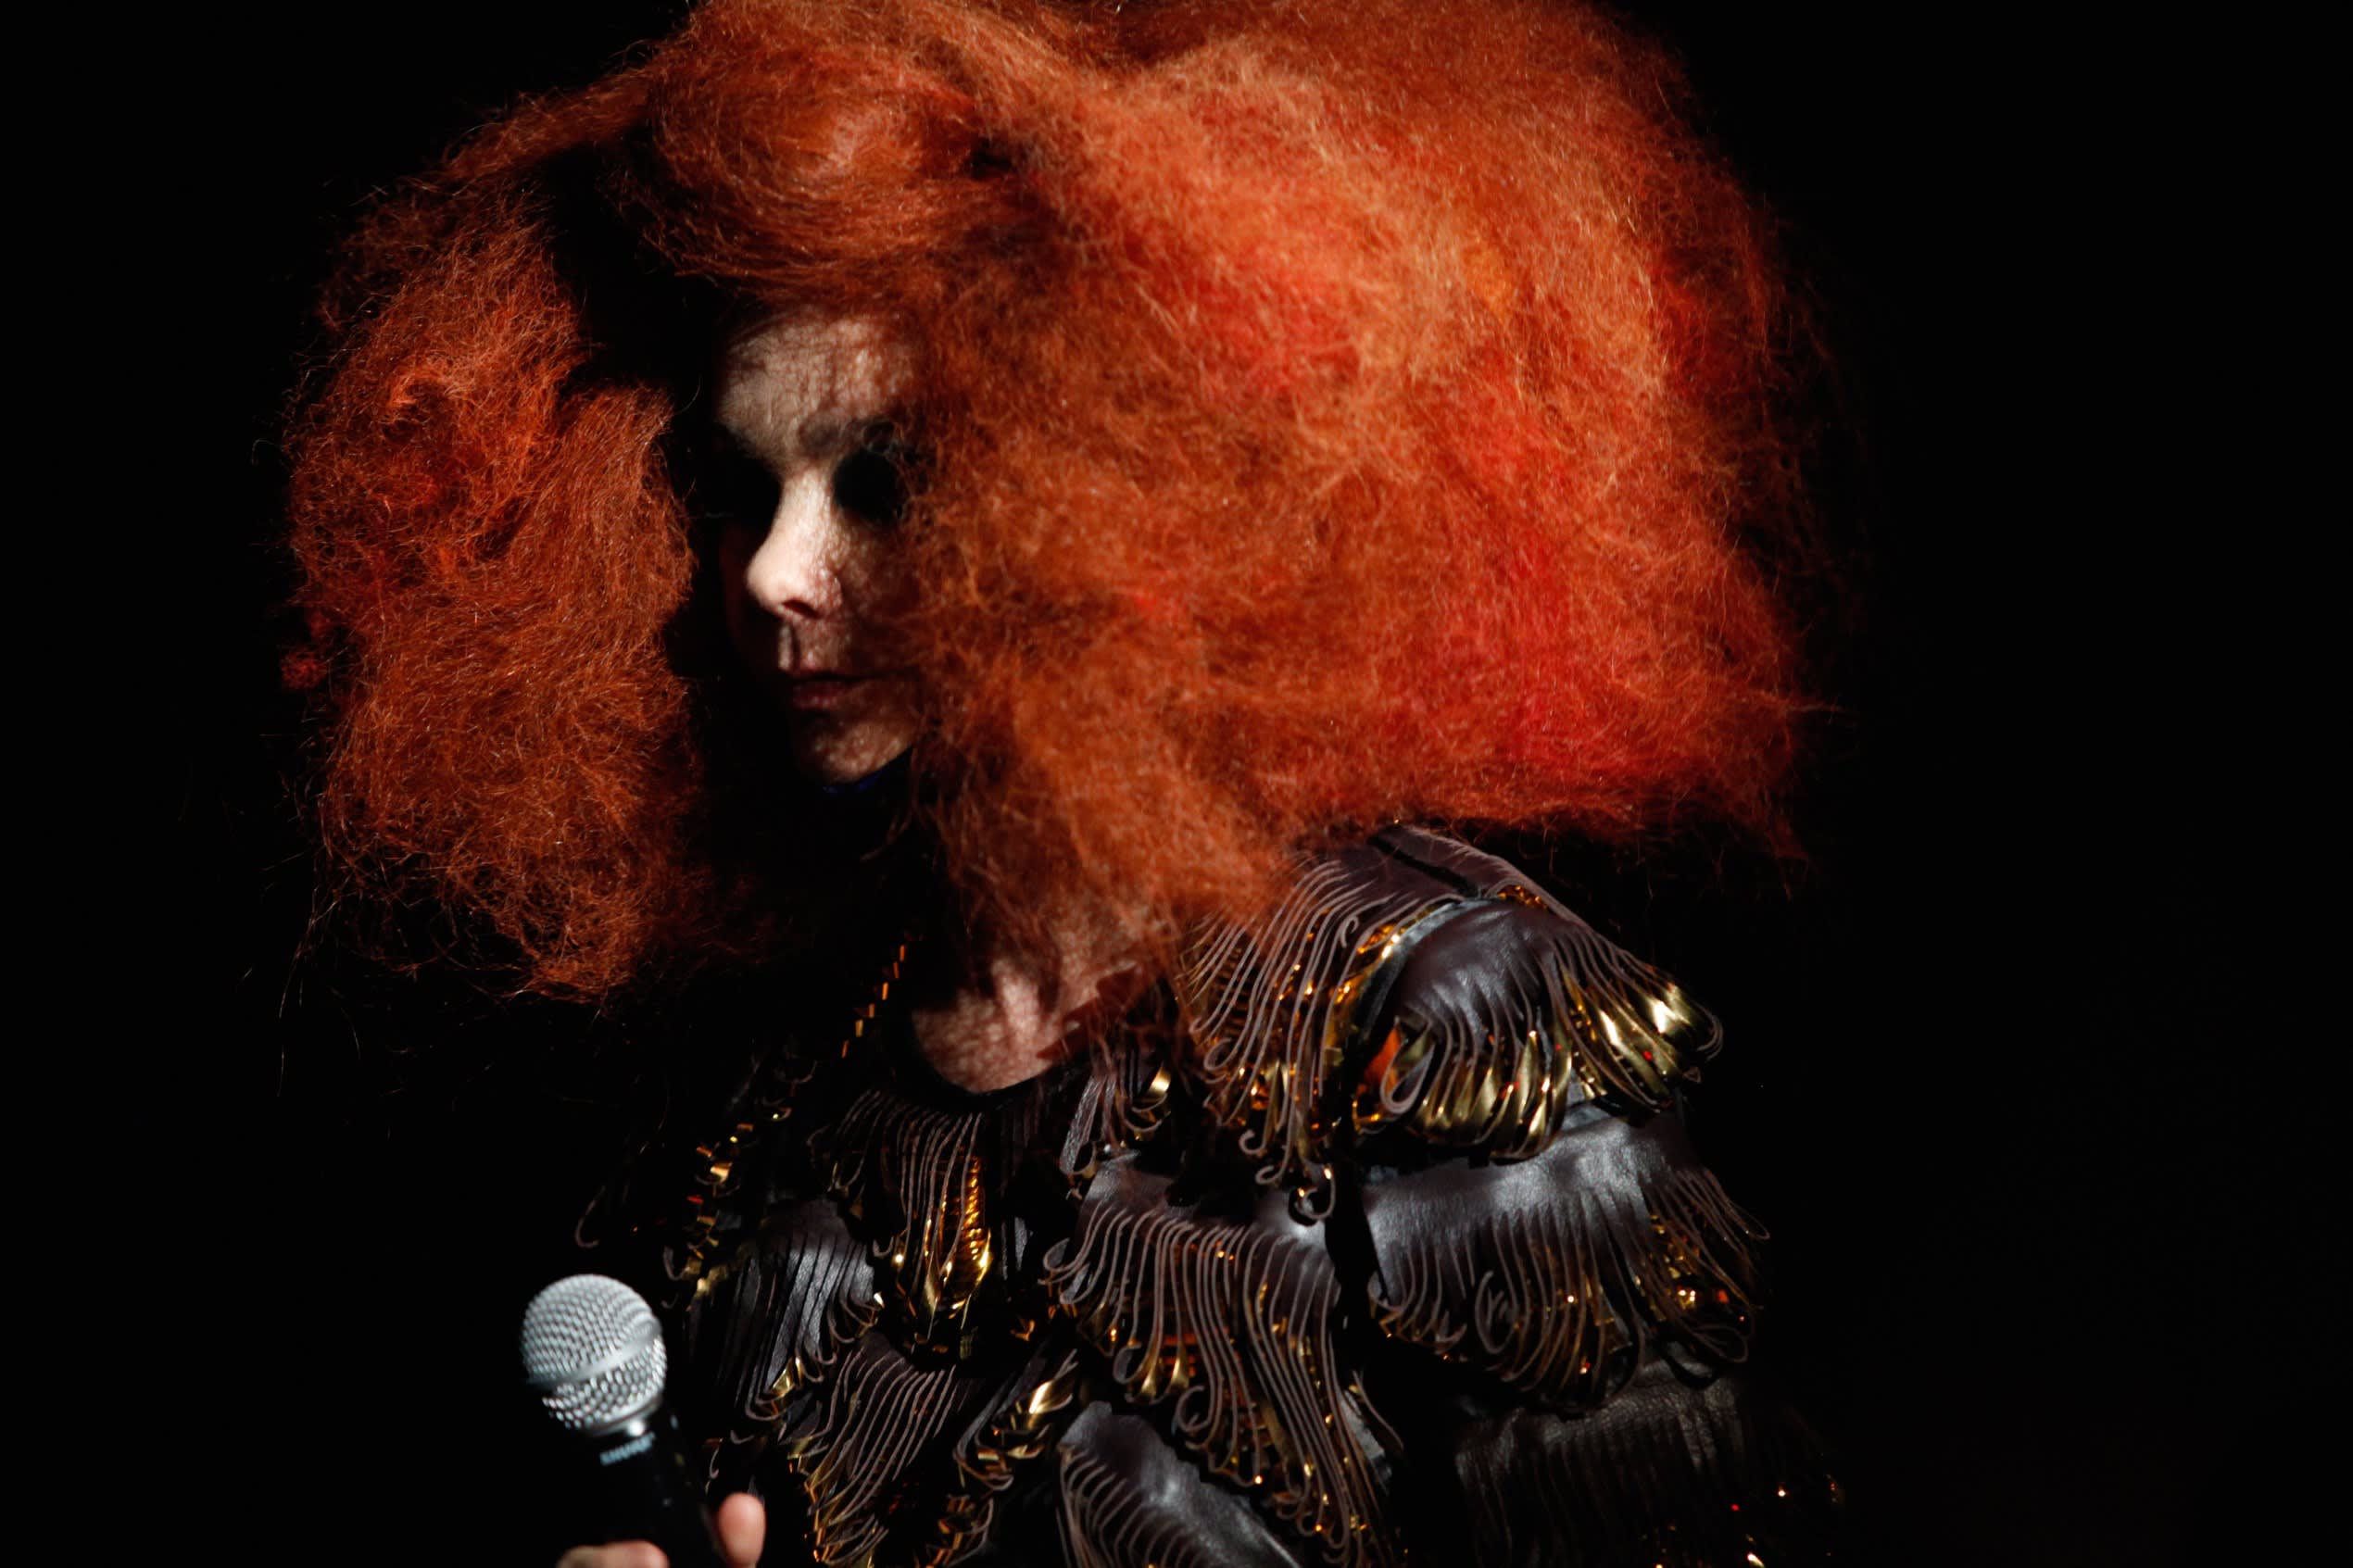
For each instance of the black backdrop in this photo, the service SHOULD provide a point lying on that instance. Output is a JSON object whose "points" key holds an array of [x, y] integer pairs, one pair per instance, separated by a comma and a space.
{"points": [[2018, 1067]]}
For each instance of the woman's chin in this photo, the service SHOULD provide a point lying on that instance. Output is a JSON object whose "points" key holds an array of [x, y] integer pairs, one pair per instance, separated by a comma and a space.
{"points": [[835, 756]]}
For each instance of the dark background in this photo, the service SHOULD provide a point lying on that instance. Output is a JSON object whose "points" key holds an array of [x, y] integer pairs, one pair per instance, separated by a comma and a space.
{"points": [[2021, 1067]]}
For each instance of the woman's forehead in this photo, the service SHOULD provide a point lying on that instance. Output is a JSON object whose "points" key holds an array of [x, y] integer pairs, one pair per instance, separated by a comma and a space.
{"points": [[791, 381]]}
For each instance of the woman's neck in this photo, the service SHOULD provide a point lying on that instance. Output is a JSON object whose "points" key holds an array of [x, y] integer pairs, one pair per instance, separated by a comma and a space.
{"points": [[1012, 1018]]}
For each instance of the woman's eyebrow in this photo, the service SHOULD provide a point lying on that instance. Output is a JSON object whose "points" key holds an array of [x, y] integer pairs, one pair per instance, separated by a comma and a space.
{"points": [[826, 435], [725, 442]]}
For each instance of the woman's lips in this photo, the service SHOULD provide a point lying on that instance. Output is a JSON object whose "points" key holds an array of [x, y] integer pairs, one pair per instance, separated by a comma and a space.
{"points": [[821, 690]]}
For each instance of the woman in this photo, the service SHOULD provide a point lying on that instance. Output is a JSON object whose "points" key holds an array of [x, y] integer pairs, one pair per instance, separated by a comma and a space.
{"points": [[989, 522]]}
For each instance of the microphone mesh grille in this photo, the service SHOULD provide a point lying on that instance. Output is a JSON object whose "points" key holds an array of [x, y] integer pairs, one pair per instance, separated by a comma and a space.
{"points": [[592, 1350]]}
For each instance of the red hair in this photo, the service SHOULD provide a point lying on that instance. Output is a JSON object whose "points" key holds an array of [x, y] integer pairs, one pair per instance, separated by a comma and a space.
{"points": [[1335, 412]]}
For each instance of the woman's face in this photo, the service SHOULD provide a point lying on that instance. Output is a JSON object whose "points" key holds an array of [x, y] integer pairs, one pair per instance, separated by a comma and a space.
{"points": [[808, 489]]}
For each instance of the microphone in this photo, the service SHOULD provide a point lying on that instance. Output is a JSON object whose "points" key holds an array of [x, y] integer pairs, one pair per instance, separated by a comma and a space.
{"points": [[592, 1351]]}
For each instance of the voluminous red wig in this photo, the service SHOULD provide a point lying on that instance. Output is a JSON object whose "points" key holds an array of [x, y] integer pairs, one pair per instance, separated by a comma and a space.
{"points": [[1336, 411]]}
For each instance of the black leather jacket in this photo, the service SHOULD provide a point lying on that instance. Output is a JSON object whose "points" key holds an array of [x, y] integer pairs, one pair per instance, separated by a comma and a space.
{"points": [[1378, 1240]]}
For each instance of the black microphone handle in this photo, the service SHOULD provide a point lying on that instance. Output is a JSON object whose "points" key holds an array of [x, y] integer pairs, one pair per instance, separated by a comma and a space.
{"points": [[646, 1491]]}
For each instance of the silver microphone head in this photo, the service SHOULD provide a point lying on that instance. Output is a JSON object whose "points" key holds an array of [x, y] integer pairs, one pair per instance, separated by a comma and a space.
{"points": [[592, 1351]]}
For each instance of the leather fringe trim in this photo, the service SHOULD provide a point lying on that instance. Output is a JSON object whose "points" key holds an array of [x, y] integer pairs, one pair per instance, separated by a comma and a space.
{"points": [[1668, 1474], [1269, 1006], [1231, 1320], [1493, 1052], [777, 1319], [995, 1450], [1559, 1275], [916, 1179], [1128, 1500], [1123, 1104], [852, 1452], [1538, 1014], [764, 1102]]}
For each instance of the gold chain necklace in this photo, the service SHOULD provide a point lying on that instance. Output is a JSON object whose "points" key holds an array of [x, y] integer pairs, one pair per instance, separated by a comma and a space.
{"points": [[771, 1104]]}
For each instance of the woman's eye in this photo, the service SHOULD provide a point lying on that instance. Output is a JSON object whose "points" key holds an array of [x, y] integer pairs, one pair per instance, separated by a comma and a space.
{"points": [[871, 483], [730, 487]]}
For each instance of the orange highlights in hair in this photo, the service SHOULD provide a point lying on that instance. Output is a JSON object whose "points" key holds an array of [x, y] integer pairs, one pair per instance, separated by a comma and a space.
{"points": [[1333, 413]]}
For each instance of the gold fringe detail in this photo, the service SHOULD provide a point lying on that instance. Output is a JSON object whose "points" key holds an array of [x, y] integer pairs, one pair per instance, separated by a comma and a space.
{"points": [[1125, 1100], [1558, 1275], [1128, 1500], [771, 1099], [1269, 1007], [1231, 1319], [916, 1178], [993, 1453], [1495, 1056], [879, 1415], [1670, 1475], [796, 1294], [1103, 1528], [1502, 1074]]}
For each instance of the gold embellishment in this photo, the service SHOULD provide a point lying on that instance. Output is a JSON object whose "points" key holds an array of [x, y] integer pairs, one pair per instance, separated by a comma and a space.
{"points": [[1269, 1007], [1123, 1104], [867, 1011], [1677, 1477], [798, 1374], [1586, 1020], [1109, 1521], [916, 1179], [987, 1462], [784, 1310], [1231, 1320], [881, 1413], [1561, 1290], [781, 1079], [1575, 1019], [850, 1310]]}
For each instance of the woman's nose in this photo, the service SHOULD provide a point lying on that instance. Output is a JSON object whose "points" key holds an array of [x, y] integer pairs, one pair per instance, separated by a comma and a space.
{"points": [[795, 570]]}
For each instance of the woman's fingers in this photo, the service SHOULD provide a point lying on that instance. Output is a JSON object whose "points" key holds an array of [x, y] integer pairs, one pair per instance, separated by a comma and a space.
{"points": [[743, 1528], [615, 1555]]}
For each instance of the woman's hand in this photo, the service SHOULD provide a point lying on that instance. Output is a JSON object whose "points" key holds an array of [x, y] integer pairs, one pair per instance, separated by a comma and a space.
{"points": [[743, 1527]]}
